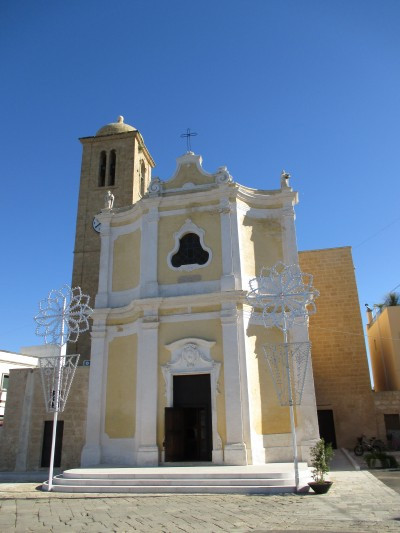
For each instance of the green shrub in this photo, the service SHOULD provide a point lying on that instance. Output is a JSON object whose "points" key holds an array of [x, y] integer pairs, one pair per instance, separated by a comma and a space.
{"points": [[386, 461], [321, 456]]}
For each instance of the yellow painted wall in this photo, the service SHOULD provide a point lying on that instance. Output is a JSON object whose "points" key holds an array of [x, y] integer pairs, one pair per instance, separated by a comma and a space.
{"points": [[261, 244], [126, 264], [268, 416], [209, 330], [187, 173], [121, 387], [211, 224]]}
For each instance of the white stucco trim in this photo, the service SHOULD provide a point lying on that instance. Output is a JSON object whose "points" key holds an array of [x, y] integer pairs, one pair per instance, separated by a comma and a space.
{"points": [[123, 298], [213, 208], [191, 356], [189, 288], [189, 317]]}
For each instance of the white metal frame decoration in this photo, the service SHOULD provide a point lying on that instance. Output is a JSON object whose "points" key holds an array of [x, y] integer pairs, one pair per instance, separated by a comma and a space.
{"points": [[284, 297], [62, 316], [285, 294]]}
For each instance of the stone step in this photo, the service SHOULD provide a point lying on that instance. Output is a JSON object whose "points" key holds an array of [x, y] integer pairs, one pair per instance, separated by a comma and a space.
{"points": [[173, 489], [270, 478], [193, 482], [183, 475]]}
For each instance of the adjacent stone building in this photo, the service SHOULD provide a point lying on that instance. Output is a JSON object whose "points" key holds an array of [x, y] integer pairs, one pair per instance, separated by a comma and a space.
{"points": [[341, 375], [384, 347]]}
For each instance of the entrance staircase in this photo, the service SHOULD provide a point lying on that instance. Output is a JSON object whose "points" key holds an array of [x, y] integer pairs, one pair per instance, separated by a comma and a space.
{"points": [[251, 479]]}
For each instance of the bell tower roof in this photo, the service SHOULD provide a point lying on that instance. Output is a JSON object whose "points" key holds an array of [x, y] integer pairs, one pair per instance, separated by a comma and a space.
{"points": [[115, 127]]}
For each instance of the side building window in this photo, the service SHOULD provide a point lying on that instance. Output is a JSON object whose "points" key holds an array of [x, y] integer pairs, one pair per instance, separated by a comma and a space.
{"points": [[4, 381], [102, 169]]}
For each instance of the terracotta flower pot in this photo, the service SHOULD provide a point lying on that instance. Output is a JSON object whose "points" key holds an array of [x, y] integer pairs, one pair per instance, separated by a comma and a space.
{"points": [[320, 488]]}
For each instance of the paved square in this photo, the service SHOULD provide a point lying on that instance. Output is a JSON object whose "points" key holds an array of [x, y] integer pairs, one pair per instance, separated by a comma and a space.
{"points": [[356, 502]]}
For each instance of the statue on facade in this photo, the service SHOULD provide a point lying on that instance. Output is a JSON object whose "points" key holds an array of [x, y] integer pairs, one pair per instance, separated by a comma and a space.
{"points": [[284, 179], [109, 200]]}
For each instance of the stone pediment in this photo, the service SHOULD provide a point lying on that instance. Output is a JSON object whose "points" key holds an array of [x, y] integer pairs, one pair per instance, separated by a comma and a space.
{"points": [[189, 175]]}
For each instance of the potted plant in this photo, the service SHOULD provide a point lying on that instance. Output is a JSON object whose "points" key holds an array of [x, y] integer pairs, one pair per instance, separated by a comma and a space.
{"points": [[321, 456]]}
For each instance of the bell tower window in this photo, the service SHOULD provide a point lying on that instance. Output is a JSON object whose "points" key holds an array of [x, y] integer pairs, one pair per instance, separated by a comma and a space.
{"points": [[102, 169], [113, 164]]}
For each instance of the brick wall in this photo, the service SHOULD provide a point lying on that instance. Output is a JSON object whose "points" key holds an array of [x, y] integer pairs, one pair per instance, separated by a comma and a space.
{"points": [[339, 358]]}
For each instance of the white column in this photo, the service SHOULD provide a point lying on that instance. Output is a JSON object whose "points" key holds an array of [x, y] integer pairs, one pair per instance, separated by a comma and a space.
{"points": [[306, 413], [235, 452], [237, 268], [289, 244], [105, 265], [148, 253], [228, 277], [91, 453], [231, 277], [147, 392]]}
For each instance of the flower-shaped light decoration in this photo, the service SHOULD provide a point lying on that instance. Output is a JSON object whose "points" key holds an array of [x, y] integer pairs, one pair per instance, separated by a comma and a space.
{"points": [[63, 315], [284, 294]]}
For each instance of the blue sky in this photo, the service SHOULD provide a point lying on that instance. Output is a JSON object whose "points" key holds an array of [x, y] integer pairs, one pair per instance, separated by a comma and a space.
{"points": [[309, 86]]}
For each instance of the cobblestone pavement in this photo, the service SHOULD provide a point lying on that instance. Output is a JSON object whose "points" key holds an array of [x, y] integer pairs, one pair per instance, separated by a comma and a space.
{"points": [[356, 502]]}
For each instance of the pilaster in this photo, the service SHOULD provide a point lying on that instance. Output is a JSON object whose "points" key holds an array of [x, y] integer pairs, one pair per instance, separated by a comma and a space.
{"points": [[91, 453], [148, 253], [147, 392], [230, 279], [289, 244], [106, 262], [235, 452], [306, 413]]}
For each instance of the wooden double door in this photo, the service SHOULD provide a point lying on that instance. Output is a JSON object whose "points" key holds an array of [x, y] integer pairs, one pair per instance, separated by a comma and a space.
{"points": [[188, 424]]}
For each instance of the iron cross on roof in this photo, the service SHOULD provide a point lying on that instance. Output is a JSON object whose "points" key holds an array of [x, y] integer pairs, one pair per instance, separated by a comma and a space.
{"points": [[189, 134]]}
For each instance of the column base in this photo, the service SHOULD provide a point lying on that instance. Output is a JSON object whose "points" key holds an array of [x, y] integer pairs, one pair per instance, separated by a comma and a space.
{"points": [[101, 299], [218, 457], [228, 282], [90, 455], [235, 454], [147, 456]]}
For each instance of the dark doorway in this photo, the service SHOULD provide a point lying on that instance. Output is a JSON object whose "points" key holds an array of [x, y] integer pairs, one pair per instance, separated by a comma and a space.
{"points": [[188, 425], [327, 426], [46, 448]]}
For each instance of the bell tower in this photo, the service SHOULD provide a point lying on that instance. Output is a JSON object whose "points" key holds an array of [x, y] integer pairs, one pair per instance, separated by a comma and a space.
{"points": [[117, 160]]}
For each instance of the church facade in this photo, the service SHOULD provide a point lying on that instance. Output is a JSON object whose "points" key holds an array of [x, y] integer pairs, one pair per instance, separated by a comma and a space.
{"points": [[177, 370], [174, 369]]}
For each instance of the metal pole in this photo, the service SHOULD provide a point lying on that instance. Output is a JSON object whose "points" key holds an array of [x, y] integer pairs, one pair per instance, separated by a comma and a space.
{"points": [[291, 410], [56, 398], [53, 445]]}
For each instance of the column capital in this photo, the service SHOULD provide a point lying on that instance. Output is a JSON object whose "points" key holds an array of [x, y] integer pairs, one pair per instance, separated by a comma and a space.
{"points": [[150, 322]]}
